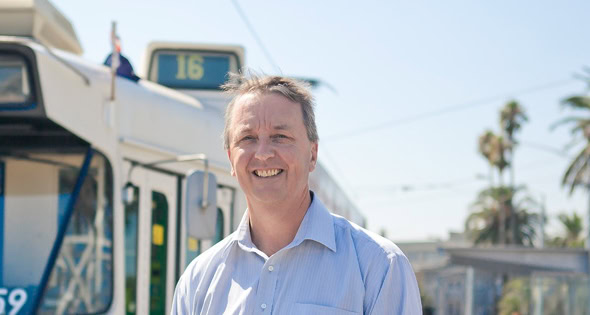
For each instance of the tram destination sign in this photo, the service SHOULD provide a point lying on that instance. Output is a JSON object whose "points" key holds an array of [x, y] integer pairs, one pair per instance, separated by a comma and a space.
{"points": [[189, 69]]}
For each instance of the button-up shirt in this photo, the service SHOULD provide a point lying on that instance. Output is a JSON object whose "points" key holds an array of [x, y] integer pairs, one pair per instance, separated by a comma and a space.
{"points": [[332, 266]]}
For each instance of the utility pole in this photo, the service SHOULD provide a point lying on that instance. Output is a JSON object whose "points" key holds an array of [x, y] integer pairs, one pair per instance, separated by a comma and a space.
{"points": [[542, 220], [587, 244]]}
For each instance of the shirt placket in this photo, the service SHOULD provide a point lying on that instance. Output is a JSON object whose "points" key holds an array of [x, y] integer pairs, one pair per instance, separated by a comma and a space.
{"points": [[267, 287]]}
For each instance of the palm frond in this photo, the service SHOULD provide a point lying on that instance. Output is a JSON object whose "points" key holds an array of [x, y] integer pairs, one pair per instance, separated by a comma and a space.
{"points": [[572, 176], [575, 141], [577, 102], [566, 120]]}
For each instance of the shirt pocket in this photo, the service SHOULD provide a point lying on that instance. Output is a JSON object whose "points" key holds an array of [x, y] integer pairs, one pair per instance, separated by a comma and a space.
{"points": [[313, 309]]}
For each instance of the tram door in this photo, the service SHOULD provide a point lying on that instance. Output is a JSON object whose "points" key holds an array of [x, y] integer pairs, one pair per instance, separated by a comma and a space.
{"points": [[155, 244]]}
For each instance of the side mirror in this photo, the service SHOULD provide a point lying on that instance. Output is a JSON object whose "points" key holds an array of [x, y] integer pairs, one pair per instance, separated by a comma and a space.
{"points": [[200, 204]]}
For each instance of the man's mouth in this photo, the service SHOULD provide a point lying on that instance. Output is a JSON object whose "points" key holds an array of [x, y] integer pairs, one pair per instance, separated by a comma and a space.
{"points": [[268, 173]]}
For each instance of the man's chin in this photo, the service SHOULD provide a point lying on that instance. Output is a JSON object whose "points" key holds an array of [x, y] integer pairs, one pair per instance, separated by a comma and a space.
{"points": [[269, 196]]}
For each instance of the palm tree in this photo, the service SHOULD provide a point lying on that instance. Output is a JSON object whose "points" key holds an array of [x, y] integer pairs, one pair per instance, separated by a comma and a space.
{"points": [[482, 225], [494, 149], [512, 117], [578, 172], [573, 227], [486, 146], [573, 232]]}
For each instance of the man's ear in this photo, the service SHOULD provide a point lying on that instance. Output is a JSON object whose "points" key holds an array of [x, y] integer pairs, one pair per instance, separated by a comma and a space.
{"points": [[314, 156], [232, 171]]}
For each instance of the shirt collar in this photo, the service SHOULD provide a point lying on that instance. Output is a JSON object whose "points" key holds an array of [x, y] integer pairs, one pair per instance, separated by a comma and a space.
{"points": [[317, 225], [242, 235]]}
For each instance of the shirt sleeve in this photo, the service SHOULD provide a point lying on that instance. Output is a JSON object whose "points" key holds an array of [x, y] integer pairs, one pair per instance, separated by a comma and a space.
{"points": [[399, 293], [181, 300]]}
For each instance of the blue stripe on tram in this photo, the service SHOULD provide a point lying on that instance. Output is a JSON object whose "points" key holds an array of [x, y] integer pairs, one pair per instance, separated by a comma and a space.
{"points": [[2, 179]]}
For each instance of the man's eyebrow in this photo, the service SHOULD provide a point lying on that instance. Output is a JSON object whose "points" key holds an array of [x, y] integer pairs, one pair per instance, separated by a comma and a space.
{"points": [[282, 127], [243, 130]]}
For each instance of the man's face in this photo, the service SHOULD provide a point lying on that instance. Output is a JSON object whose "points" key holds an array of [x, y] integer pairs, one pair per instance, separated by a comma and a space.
{"points": [[269, 150]]}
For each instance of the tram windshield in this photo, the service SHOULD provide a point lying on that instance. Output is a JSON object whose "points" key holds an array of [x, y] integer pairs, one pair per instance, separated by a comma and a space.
{"points": [[14, 80], [36, 189]]}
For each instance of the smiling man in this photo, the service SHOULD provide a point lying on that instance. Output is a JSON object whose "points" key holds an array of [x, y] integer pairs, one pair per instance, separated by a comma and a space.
{"points": [[289, 255]]}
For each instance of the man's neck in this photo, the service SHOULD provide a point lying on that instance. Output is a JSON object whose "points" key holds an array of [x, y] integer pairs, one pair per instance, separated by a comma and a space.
{"points": [[274, 226]]}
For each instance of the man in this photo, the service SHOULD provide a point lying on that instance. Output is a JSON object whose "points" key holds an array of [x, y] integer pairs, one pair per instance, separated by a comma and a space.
{"points": [[289, 255]]}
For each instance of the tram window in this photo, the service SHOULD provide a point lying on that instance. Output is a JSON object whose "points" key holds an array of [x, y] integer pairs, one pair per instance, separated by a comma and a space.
{"points": [[14, 80], [158, 253], [82, 278], [29, 208], [131, 226]]}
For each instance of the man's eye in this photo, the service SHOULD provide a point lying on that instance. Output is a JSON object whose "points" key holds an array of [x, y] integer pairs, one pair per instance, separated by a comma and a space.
{"points": [[279, 136]]}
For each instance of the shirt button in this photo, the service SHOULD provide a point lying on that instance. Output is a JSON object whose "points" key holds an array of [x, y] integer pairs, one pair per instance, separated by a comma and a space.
{"points": [[271, 268], [263, 306]]}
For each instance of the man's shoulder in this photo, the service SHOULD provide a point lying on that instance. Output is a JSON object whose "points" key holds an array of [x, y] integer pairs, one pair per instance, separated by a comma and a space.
{"points": [[380, 262], [388, 281], [368, 245], [210, 258], [197, 275]]}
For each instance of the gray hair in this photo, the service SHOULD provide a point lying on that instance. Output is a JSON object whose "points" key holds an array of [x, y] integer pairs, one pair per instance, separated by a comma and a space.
{"points": [[296, 91]]}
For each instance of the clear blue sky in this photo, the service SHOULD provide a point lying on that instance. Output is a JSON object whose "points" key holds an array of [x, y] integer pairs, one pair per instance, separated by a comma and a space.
{"points": [[391, 61]]}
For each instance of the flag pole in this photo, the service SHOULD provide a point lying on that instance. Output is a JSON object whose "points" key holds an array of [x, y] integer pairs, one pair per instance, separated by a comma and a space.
{"points": [[114, 58]]}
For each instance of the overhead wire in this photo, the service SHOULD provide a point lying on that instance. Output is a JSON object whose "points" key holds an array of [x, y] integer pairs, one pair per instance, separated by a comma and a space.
{"points": [[545, 148], [336, 168], [437, 186], [254, 34], [443, 185], [447, 110], [270, 59], [427, 186], [457, 193], [413, 118]]}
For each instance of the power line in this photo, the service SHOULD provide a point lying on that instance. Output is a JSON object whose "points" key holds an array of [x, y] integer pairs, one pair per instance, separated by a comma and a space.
{"points": [[447, 110], [274, 64], [443, 185], [545, 148], [421, 186], [336, 168], [255, 35]]}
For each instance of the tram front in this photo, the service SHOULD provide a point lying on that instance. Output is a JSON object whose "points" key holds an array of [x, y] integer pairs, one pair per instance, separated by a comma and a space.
{"points": [[56, 202]]}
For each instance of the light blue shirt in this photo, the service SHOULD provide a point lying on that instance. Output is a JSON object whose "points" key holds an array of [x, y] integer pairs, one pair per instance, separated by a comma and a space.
{"points": [[331, 267]]}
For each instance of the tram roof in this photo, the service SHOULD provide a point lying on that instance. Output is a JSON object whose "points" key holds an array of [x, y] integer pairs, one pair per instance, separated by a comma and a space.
{"points": [[143, 112], [38, 19]]}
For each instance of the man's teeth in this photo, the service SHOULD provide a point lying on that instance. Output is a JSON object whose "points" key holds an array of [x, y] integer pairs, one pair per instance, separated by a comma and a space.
{"points": [[267, 173]]}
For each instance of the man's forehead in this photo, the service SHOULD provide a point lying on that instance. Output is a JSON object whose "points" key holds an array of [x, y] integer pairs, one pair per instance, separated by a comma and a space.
{"points": [[253, 105], [247, 98], [248, 114]]}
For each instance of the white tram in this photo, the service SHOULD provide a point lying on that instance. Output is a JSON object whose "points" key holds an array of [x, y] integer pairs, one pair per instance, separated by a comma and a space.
{"points": [[100, 207]]}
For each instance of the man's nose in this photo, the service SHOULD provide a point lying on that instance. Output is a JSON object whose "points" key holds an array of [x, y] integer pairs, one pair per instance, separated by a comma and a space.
{"points": [[264, 151]]}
